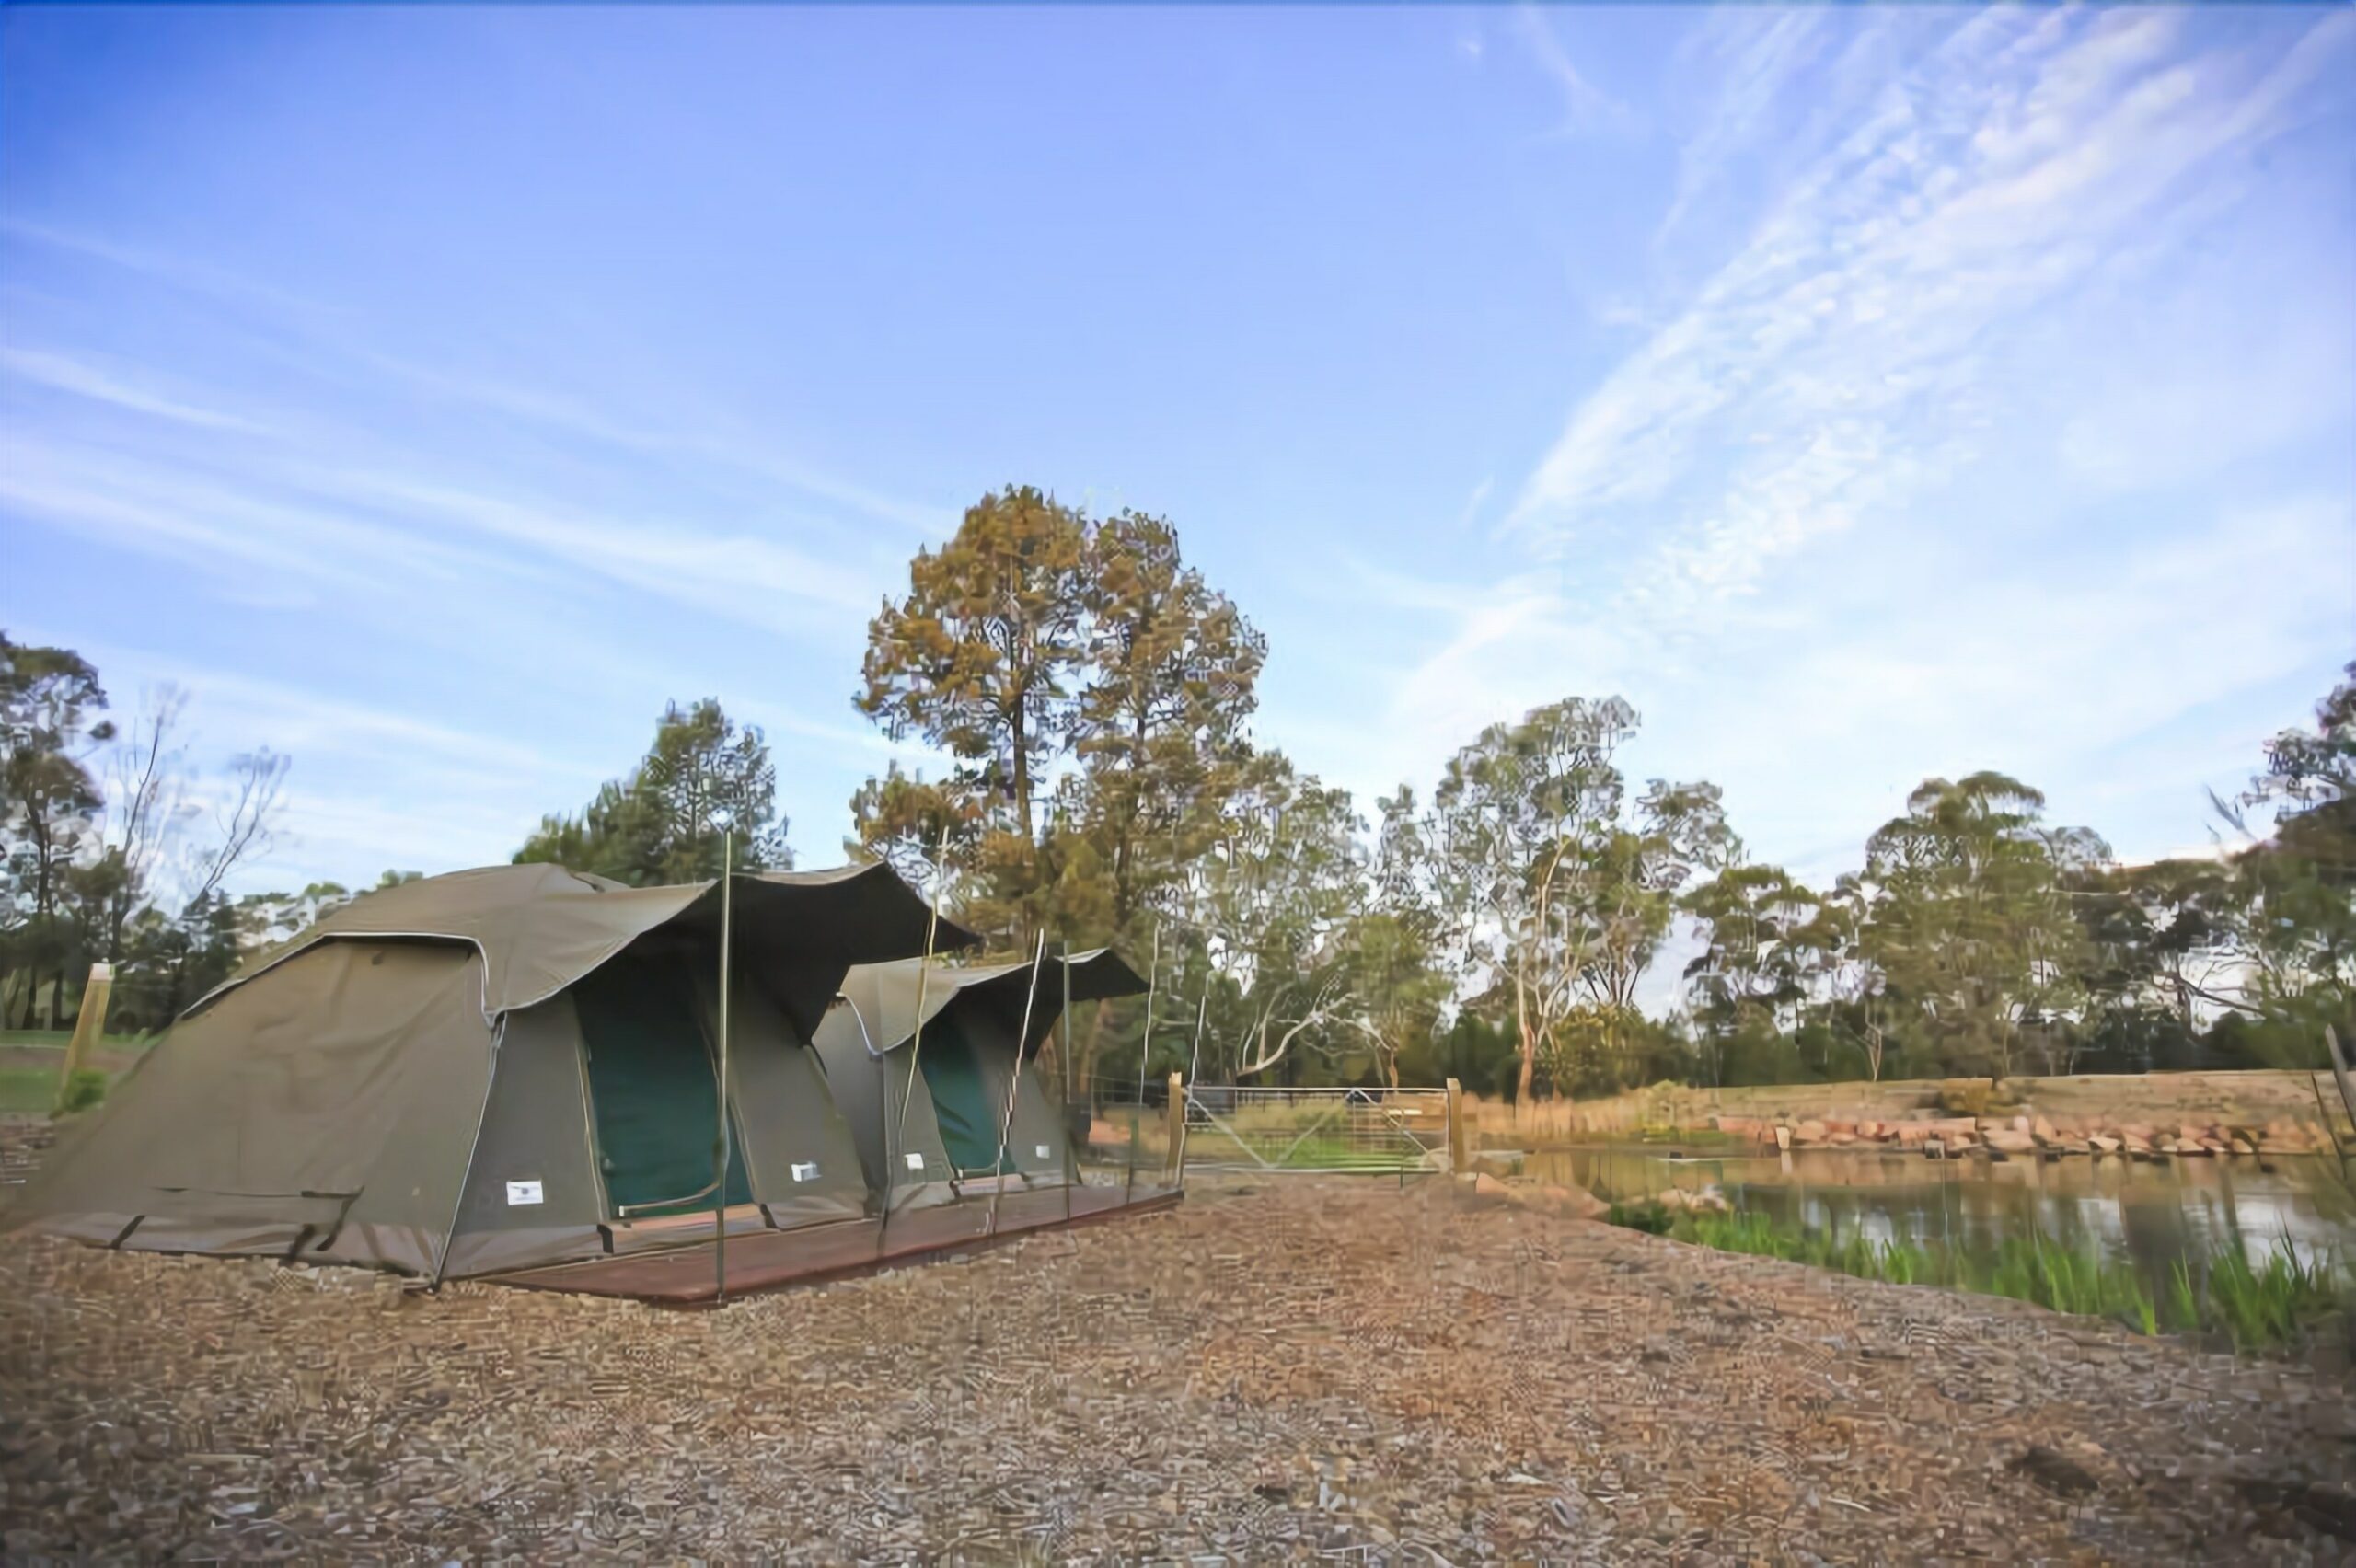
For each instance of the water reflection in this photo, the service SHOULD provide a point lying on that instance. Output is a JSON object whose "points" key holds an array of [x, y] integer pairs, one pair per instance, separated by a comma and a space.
{"points": [[2148, 1215]]}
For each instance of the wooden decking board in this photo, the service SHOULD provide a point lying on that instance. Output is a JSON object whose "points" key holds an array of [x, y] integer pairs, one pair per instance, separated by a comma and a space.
{"points": [[767, 1260]]}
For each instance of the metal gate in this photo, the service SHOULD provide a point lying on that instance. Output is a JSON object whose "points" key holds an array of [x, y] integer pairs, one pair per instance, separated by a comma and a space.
{"points": [[1313, 1130]]}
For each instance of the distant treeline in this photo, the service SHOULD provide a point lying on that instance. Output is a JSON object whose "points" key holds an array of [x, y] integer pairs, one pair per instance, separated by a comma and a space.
{"points": [[1093, 697]]}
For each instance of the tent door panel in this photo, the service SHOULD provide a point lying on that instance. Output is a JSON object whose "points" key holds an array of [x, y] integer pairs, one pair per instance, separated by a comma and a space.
{"points": [[968, 1113], [654, 1089]]}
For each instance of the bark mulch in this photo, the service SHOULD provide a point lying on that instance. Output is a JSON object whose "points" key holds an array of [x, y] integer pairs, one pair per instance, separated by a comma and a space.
{"points": [[1317, 1365]]}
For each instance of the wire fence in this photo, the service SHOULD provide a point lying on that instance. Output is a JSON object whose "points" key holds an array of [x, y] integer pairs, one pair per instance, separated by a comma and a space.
{"points": [[1381, 1130], [1120, 1137]]}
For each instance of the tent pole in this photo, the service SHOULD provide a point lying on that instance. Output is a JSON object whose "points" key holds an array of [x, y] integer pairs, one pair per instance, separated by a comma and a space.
{"points": [[1193, 1066], [1071, 1160], [719, 1142], [1014, 1082], [883, 1128], [898, 1140]]}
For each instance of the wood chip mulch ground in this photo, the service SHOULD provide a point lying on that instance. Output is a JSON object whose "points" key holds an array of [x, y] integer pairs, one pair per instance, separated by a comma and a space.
{"points": [[1318, 1366]]}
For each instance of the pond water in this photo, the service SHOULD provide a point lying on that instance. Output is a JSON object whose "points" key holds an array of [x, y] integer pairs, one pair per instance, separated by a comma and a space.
{"points": [[2149, 1214]]}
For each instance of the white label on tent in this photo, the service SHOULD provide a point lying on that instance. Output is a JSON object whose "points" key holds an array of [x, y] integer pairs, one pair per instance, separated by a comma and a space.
{"points": [[916, 1160], [805, 1172], [1040, 1150], [522, 1193]]}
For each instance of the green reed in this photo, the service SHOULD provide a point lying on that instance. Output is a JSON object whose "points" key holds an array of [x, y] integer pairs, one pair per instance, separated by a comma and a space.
{"points": [[2255, 1307]]}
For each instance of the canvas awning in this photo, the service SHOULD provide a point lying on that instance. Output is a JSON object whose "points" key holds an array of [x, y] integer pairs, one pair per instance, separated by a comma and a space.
{"points": [[883, 995], [541, 927]]}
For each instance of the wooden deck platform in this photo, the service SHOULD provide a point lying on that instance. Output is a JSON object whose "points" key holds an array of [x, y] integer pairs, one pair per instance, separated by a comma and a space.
{"points": [[769, 1260]]}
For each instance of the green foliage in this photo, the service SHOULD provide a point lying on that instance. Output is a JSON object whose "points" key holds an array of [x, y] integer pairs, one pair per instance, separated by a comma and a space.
{"points": [[982, 660], [81, 1092], [657, 825], [1158, 730], [117, 872], [1040, 642], [1553, 889], [2268, 1306], [1973, 927], [1604, 1050], [1759, 1052], [1276, 896], [1759, 927], [1649, 1217], [1392, 977], [50, 801], [1477, 1052], [1037, 639]]}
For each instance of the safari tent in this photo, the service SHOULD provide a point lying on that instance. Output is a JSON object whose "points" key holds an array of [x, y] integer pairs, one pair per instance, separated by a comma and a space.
{"points": [[964, 1070], [492, 1070]]}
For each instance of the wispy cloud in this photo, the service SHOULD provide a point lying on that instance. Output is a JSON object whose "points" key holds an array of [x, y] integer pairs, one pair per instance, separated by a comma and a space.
{"points": [[65, 374], [1586, 107], [248, 526], [297, 512], [174, 269], [372, 784], [634, 432], [1899, 315], [1749, 58], [1786, 401], [756, 579], [334, 344]]}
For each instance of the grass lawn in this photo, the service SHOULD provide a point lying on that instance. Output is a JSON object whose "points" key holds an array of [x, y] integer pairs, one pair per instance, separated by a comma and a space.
{"points": [[27, 1088], [56, 1039], [29, 1060]]}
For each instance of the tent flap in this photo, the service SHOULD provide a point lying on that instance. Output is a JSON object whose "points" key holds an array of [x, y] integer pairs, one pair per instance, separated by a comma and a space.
{"points": [[540, 927], [343, 1095]]}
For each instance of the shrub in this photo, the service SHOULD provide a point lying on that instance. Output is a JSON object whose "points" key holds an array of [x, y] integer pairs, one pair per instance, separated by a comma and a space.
{"points": [[82, 1092], [1648, 1217]]}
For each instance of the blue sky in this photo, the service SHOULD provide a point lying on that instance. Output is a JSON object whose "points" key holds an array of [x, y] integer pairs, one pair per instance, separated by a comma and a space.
{"points": [[1866, 394]]}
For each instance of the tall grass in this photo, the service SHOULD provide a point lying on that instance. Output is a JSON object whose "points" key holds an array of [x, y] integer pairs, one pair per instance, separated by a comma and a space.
{"points": [[2268, 1306], [2255, 1307]]}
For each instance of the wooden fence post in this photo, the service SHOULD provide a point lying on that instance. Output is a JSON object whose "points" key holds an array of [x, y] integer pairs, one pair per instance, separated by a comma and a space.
{"points": [[89, 1025], [2340, 1072], [1174, 1168], [1459, 1138]]}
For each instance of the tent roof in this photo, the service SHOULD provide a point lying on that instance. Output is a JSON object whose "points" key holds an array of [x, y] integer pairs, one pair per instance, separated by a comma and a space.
{"points": [[884, 995], [540, 927]]}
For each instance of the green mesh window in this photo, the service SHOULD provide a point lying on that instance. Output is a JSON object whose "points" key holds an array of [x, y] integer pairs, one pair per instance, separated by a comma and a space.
{"points": [[961, 1101], [651, 1081]]}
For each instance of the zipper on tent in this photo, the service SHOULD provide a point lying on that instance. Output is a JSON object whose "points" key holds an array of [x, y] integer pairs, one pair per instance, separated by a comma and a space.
{"points": [[589, 1124], [474, 1146]]}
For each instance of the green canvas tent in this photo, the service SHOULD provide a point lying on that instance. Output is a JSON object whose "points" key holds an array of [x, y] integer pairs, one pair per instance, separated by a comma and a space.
{"points": [[491, 1071], [964, 1072]]}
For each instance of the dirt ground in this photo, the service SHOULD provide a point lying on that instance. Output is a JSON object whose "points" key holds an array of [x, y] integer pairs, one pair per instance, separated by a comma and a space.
{"points": [[1321, 1365]]}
